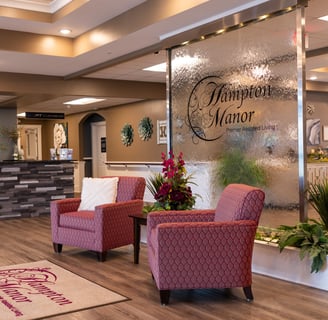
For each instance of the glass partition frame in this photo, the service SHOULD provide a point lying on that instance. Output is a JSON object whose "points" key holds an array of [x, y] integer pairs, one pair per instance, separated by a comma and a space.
{"points": [[178, 140]]}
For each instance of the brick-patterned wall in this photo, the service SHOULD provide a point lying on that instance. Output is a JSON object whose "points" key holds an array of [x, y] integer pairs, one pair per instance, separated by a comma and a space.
{"points": [[27, 187]]}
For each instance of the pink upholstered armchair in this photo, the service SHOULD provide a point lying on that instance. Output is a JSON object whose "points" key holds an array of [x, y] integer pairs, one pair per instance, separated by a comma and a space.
{"points": [[198, 249], [108, 226]]}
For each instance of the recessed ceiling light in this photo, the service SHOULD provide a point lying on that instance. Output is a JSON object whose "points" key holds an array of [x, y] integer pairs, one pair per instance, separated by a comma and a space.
{"points": [[65, 31], [313, 78], [83, 101], [324, 18], [157, 68]]}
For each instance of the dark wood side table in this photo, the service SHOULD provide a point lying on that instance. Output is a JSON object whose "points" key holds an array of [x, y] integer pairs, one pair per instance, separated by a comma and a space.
{"points": [[138, 220]]}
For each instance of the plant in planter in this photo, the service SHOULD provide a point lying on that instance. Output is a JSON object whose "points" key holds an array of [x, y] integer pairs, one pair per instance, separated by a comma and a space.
{"points": [[233, 167], [310, 236], [12, 134]]}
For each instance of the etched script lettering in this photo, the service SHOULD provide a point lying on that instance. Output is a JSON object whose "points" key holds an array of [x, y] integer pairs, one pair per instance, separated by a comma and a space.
{"points": [[214, 106], [18, 286]]}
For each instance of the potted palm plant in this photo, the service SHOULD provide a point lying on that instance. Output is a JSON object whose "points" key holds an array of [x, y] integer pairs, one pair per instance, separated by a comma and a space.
{"points": [[318, 198]]}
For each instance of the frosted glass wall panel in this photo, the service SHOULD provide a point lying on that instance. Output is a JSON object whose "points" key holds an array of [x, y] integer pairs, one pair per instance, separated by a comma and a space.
{"points": [[239, 90]]}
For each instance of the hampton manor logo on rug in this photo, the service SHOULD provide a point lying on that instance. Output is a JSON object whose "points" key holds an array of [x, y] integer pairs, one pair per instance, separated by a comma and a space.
{"points": [[39, 289]]}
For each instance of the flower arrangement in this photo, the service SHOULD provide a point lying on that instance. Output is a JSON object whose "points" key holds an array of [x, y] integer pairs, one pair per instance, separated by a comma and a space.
{"points": [[170, 189]]}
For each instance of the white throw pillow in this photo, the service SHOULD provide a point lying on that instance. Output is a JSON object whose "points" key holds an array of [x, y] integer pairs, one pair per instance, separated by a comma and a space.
{"points": [[97, 191]]}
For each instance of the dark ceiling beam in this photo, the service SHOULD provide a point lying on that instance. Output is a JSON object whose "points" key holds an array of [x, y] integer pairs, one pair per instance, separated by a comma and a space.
{"points": [[317, 52], [317, 86], [57, 86]]}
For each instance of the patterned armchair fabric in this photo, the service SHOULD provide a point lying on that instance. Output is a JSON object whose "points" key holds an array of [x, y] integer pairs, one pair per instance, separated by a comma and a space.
{"points": [[108, 226], [206, 248]]}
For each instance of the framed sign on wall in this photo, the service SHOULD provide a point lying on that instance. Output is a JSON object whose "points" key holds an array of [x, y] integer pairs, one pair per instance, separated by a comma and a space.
{"points": [[325, 133], [161, 132]]}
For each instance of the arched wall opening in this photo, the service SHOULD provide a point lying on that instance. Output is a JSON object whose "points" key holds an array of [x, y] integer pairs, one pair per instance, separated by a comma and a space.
{"points": [[86, 142]]}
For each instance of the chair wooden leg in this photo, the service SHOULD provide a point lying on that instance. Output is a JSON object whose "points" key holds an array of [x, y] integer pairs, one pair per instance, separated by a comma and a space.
{"points": [[248, 293], [165, 296], [102, 256], [57, 247]]}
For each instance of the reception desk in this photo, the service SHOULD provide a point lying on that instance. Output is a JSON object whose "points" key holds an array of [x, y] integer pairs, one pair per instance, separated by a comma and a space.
{"points": [[27, 187]]}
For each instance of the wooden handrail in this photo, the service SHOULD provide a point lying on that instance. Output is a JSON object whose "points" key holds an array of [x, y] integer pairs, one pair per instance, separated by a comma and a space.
{"points": [[132, 163]]}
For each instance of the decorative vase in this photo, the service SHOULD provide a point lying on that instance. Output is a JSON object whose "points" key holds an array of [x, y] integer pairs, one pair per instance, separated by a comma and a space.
{"points": [[15, 153], [57, 153]]}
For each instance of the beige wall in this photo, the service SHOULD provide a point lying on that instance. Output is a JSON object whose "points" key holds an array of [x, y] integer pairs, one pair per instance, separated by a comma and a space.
{"points": [[139, 150], [116, 118]]}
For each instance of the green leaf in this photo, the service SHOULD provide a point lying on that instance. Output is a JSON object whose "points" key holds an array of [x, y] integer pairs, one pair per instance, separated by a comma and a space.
{"points": [[317, 264], [311, 238], [318, 198], [154, 182]]}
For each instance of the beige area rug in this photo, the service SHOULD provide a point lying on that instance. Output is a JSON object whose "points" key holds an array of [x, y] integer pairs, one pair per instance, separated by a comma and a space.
{"points": [[41, 289]]}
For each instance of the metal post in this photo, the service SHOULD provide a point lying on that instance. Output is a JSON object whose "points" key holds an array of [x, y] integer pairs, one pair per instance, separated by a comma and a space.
{"points": [[301, 98]]}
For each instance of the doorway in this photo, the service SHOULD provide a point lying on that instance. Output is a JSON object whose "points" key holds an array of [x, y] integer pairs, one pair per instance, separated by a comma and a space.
{"points": [[31, 142], [99, 153], [92, 133]]}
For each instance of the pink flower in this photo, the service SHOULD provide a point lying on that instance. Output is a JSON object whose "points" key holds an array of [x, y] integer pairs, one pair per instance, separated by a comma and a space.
{"points": [[174, 193]]}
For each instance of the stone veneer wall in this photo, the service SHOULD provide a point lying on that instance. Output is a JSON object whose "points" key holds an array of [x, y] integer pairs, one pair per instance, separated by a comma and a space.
{"points": [[27, 187]]}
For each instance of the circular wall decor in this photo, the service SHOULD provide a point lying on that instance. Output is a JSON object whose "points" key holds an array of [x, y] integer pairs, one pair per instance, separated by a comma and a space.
{"points": [[145, 128], [127, 134]]}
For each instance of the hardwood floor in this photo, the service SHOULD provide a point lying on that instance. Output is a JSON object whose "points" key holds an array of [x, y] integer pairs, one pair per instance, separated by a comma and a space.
{"points": [[24, 240]]}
